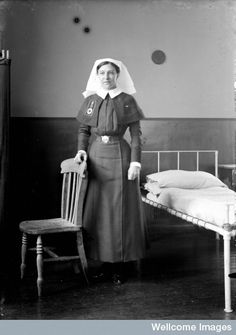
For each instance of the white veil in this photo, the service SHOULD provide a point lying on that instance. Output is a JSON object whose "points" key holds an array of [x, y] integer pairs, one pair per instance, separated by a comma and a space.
{"points": [[124, 81]]}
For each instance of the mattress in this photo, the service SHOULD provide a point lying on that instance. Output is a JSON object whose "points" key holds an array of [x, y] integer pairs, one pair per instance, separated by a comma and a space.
{"points": [[216, 205]]}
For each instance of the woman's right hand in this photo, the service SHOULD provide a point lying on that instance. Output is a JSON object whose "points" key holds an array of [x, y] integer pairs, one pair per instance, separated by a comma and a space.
{"points": [[80, 156]]}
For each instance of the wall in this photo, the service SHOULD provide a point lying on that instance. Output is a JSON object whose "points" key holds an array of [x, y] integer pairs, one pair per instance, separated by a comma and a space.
{"points": [[52, 56], [186, 134]]}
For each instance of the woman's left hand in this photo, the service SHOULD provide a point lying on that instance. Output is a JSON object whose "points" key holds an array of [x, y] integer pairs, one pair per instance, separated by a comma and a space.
{"points": [[133, 172]]}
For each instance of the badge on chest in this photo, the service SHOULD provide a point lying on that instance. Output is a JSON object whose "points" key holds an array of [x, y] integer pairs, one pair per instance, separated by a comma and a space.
{"points": [[91, 107]]}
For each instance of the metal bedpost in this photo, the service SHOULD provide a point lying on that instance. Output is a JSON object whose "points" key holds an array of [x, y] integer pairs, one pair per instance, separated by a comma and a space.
{"points": [[197, 153], [178, 160], [227, 282], [158, 162], [216, 174], [216, 164]]}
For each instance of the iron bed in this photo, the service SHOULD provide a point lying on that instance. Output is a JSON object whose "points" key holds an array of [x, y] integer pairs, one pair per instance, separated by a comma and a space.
{"points": [[196, 160]]}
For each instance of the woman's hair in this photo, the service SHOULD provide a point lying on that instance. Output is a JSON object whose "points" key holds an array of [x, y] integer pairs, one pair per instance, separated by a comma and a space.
{"points": [[107, 62]]}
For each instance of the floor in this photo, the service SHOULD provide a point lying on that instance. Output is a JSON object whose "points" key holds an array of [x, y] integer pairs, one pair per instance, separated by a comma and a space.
{"points": [[181, 278]]}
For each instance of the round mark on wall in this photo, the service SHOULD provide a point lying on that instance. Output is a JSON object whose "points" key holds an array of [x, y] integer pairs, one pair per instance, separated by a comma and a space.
{"points": [[158, 57], [76, 19], [87, 29]]}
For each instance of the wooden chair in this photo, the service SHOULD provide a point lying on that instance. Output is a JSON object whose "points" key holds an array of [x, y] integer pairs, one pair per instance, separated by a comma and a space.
{"points": [[73, 191]]}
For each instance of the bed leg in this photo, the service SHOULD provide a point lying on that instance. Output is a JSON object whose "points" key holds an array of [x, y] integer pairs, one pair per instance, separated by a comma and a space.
{"points": [[227, 282]]}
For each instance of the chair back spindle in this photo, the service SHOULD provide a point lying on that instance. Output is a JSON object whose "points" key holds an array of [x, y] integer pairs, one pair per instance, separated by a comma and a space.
{"points": [[73, 175]]}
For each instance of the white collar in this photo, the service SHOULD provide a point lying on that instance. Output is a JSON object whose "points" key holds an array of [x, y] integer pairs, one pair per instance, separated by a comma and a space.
{"points": [[113, 93]]}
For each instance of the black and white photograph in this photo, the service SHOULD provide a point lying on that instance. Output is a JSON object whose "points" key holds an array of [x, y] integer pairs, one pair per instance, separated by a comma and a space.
{"points": [[118, 165]]}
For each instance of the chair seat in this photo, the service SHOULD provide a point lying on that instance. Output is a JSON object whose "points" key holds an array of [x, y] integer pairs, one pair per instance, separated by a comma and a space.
{"points": [[48, 226]]}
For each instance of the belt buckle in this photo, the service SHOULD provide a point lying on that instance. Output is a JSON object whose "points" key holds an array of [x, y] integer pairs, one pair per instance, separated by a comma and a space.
{"points": [[105, 139]]}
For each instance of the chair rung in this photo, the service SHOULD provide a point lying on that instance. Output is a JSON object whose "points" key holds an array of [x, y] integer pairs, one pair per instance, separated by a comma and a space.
{"points": [[47, 250], [50, 252], [61, 258]]}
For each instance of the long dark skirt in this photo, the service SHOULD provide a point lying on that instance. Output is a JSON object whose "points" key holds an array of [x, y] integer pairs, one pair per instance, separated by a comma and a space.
{"points": [[113, 215]]}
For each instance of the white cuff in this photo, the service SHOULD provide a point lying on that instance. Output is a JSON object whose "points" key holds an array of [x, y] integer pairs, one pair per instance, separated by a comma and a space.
{"points": [[81, 151], [135, 164]]}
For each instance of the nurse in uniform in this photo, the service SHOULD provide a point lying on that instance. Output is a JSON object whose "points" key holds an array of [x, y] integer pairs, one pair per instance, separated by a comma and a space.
{"points": [[113, 216]]}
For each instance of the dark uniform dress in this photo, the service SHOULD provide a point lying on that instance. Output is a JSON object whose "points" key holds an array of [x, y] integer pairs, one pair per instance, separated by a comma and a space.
{"points": [[113, 216]]}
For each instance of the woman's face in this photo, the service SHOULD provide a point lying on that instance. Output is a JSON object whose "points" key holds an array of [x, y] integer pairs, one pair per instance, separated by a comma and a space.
{"points": [[107, 76]]}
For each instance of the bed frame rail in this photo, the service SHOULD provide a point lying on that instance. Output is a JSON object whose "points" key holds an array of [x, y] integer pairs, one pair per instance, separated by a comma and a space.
{"points": [[177, 154]]}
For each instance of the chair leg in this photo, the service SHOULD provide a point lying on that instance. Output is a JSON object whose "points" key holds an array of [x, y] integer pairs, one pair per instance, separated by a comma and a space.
{"points": [[83, 259], [23, 254], [39, 261]]}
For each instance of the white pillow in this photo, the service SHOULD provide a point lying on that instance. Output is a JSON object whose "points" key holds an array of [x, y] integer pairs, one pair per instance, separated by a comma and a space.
{"points": [[153, 187], [185, 179]]}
